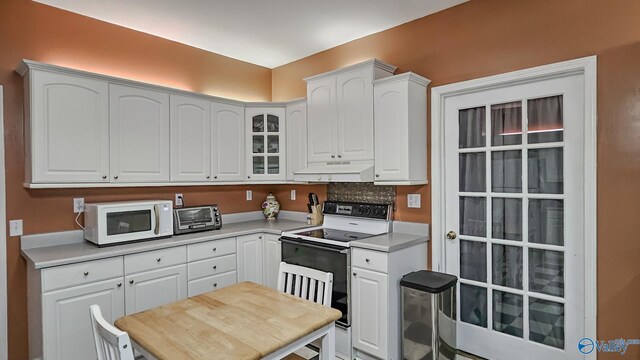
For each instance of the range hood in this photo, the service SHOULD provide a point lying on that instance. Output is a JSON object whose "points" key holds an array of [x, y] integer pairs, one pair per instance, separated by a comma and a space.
{"points": [[335, 172]]}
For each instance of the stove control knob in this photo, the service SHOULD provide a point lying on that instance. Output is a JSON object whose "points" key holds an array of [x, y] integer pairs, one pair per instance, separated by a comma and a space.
{"points": [[368, 211], [377, 211], [360, 210]]}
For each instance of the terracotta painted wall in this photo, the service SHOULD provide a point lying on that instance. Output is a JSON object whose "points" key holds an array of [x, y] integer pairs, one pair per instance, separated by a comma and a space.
{"points": [[42, 33], [482, 38]]}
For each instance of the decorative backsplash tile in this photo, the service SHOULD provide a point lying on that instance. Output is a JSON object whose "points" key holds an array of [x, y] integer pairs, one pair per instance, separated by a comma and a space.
{"points": [[362, 192]]}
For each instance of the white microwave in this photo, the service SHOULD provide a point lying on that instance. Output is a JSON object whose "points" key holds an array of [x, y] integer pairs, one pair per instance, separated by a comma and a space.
{"points": [[119, 222]]}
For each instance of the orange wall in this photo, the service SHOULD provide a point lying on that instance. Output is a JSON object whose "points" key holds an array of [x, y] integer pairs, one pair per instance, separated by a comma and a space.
{"points": [[38, 32], [482, 38]]}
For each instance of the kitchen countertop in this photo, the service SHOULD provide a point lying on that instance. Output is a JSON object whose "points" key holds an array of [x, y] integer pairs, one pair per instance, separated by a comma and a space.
{"points": [[72, 248]]}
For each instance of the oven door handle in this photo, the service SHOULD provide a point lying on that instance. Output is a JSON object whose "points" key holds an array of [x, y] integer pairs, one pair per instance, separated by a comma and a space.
{"points": [[312, 245]]}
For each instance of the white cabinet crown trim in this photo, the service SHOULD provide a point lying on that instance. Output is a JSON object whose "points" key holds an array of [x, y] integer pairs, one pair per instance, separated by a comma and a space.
{"points": [[373, 62]]}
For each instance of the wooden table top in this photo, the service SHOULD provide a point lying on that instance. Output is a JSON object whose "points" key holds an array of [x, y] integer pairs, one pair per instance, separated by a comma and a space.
{"points": [[243, 321]]}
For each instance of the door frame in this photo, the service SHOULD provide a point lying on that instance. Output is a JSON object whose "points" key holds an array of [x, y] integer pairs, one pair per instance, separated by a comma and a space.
{"points": [[586, 67]]}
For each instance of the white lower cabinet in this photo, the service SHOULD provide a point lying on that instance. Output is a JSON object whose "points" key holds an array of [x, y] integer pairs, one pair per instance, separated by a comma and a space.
{"points": [[153, 288], [210, 283], [212, 265], [66, 323], [369, 311], [259, 257]]}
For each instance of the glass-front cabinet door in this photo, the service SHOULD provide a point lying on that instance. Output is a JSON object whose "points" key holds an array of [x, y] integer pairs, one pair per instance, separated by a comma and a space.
{"points": [[266, 140]]}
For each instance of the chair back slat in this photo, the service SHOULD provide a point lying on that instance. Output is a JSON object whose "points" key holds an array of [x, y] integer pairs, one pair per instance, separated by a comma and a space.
{"points": [[306, 283], [111, 343]]}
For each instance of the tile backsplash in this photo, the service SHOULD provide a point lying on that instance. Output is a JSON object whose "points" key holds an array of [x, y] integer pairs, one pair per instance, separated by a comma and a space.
{"points": [[362, 192]]}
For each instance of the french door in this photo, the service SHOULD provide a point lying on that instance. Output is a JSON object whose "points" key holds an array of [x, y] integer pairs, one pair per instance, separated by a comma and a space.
{"points": [[514, 195]]}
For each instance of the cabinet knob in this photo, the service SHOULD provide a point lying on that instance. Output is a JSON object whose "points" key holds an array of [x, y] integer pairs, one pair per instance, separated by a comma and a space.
{"points": [[377, 175], [214, 249], [333, 156], [115, 177], [215, 267], [158, 259], [208, 177], [355, 274], [131, 281], [215, 177], [340, 156], [86, 273], [215, 284], [104, 177], [367, 260], [248, 177], [260, 237], [119, 284]]}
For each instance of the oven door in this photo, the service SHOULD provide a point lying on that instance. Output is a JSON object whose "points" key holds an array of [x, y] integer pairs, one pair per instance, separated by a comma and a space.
{"points": [[328, 258]]}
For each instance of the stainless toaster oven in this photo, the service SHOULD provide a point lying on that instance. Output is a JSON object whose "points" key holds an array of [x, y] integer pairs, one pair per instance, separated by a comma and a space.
{"points": [[196, 218]]}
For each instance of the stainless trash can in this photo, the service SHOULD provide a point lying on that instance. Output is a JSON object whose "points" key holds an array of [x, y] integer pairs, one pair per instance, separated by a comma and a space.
{"points": [[428, 315]]}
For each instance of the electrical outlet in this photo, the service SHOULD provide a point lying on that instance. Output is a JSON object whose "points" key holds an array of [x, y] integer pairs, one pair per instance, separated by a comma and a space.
{"points": [[293, 194], [179, 200], [413, 200], [15, 227], [249, 195], [78, 205]]}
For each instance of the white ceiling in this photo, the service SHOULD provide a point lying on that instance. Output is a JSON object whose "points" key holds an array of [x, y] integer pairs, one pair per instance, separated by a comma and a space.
{"points": [[269, 33]]}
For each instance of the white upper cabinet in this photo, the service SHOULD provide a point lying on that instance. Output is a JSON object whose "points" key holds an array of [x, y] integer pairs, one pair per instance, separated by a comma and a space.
{"points": [[322, 120], [139, 134], [227, 142], [340, 112], [355, 114], [266, 143], [67, 129], [190, 139], [401, 130], [296, 137]]}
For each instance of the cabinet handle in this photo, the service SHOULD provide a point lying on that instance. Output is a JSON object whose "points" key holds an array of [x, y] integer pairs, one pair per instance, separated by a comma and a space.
{"points": [[119, 284], [104, 177], [215, 267], [86, 273], [115, 177], [158, 259], [367, 260], [339, 156], [215, 284], [208, 177], [214, 249], [260, 237], [377, 175], [248, 177], [333, 156], [215, 177], [131, 281], [355, 274]]}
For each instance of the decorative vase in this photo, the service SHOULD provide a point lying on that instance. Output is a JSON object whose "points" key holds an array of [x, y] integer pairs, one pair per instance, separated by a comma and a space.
{"points": [[270, 207]]}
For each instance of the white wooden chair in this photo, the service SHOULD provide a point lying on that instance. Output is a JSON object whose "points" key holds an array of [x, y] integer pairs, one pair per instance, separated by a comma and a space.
{"points": [[111, 343], [310, 284]]}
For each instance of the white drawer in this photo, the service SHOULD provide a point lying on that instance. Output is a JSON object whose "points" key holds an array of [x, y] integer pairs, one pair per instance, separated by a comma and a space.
{"points": [[211, 283], [210, 267], [211, 249], [369, 259], [81, 273], [156, 259]]}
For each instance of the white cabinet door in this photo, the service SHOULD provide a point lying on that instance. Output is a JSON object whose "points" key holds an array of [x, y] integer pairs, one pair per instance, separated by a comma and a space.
{"points": [[322, 118], [266, 144], [272, 258], [139, 129], [190, 139], [296, 138], [227, 142], [369, 289], [392, 150], [68, 129], [355, 114], [66, 323], [250, 258], [149, 289]]}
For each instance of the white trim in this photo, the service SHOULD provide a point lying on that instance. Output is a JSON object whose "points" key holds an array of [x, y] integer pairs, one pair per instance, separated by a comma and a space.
{"points": [[587, 67], [3, 240]]}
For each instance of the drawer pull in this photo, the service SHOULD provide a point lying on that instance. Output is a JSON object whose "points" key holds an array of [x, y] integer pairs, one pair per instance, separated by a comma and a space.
{"points": [[355, 274], [260, 237], [367, 260], [214, 267], [116, 177], [215, 284], [119, 284], [104, 177], [86, 273], [131, 281], [214, 249], [159, 259]]}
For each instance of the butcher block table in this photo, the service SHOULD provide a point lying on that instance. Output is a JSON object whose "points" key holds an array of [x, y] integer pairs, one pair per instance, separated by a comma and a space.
{"points": [[243, 321]]}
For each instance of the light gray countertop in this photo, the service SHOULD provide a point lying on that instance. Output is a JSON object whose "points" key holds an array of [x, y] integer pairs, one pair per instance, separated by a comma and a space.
{"points": [[70, 246]]}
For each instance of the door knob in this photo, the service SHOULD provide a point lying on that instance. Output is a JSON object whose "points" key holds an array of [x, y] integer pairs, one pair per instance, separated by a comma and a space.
{"points": [[451, 235]]}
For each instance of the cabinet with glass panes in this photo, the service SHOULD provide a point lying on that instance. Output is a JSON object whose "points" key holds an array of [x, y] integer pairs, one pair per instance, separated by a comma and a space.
{"points": [[266, 143]]}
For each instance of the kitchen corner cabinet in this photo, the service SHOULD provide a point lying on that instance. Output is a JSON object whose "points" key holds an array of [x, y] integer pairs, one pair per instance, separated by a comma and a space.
{"points": [[67, 128], [296, 119], [340, 112], [139, 133], [190, 120], [227, 142], [401, 130], [266, 143], [259, 257]]}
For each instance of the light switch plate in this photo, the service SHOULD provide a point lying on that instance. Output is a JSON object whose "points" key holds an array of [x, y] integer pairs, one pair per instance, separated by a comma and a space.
{"points": [[413, 200], [249, 195], [293, 194], [15, 227]]}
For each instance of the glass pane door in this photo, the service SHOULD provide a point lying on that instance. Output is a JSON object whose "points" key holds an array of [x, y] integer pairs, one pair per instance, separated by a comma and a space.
{"points": [[266, 144]]}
